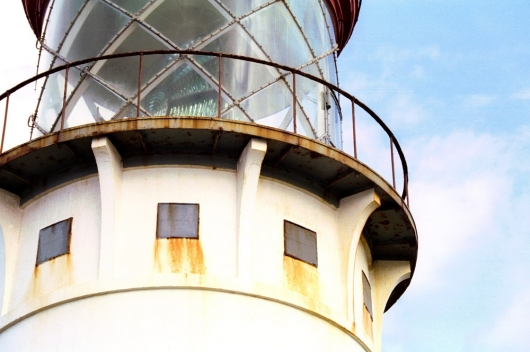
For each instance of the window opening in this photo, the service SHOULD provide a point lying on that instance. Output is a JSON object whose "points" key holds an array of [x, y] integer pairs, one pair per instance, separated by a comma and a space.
{"points": [[300, 243], [367, 303], [54, 241], [177, 220]]}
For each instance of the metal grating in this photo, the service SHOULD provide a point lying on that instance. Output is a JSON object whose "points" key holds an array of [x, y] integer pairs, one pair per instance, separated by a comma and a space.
{"points": [[300, 243], [177, 220], [54, 241]]}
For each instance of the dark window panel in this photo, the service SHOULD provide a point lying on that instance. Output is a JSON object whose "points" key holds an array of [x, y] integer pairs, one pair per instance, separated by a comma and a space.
{"points": [[300, 243], [54, 241], [177, 220]]}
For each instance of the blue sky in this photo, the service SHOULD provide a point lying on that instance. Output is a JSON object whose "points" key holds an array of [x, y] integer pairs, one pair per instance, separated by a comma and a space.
{"points": [[452, 80]]}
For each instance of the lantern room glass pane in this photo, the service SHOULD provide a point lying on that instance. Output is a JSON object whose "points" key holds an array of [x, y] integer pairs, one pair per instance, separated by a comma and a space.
{"points": [[243, 7], [239, 77], [52, 99], [268, 105], [133, 6], [310, 17], [98, 25], [61, 17], [185, 22], [290, 47], [92, 103], [184, 92], [122, 73]]}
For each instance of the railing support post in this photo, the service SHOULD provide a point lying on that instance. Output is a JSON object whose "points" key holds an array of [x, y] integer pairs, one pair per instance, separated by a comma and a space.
{"points": [[5, 124], [64, 97], [294, 102], [220, 86], [407, 190], [354, 131], [392, 159], [138, 95]]}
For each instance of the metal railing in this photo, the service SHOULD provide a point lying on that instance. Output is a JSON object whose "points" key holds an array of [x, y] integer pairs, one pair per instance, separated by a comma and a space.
{"points": [[394, 144]]}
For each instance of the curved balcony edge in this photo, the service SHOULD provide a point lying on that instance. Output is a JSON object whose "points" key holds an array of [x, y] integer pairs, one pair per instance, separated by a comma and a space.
{"points": [[289, 70]]}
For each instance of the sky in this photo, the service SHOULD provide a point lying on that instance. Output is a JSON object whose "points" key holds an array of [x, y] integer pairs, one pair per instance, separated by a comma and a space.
{"points": [[452, 80]]}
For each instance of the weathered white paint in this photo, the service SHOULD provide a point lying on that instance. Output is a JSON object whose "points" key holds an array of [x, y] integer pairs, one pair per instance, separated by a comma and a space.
{"points": [[354, 212], [248, 172], [177, 320], [363, 263], [387, 275], [110, 180], [234, 278]]}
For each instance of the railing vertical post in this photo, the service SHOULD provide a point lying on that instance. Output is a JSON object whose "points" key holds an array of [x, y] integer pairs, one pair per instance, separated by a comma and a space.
{"points": [[138, 95], [407, 190], [294, 102], [64, 97], [5, 124], [392, 159], [354, 130], [220, 85]]}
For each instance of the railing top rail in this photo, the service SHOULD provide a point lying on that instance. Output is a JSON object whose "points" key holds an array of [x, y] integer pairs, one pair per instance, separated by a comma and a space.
{"points": [[236, 57]]}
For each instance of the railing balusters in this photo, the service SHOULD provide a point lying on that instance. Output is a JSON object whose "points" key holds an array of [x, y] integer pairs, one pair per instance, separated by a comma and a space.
{"points": [[294, 72], [392, 158], [139, 94], [294, 102], [354, 130], [220, 86], [64, 97], [5, 123]]}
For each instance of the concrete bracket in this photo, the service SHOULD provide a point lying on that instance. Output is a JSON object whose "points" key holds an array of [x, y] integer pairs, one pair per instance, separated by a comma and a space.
{"points": [[248, 172], [110, 172], [354, 211]]}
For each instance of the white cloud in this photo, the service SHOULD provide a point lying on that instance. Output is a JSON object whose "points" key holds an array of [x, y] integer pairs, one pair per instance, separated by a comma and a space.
{"points": [[478, 100], [404, 110], [522, 95], [510, 330], [457, 184]]}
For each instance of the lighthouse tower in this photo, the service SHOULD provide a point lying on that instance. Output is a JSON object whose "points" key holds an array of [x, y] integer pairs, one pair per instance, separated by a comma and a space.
{"points": [[183, 184]]}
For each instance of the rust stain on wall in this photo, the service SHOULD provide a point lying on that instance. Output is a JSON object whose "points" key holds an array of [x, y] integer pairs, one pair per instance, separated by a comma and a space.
{"points": [[179, 255], [301, 277], [51, 275]]}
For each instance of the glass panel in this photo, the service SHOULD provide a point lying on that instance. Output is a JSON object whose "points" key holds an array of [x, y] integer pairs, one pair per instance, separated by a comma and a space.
{"points": [[185, 22], [92, 103], [310, 17], [240, 78], [123, 73], [235, 114], [184, 92], [290, 47], [133, 6], [335, 125], [92, 35], [60, 19], [270, 105], [127, 111], [242, 7], [329, 21], [52, 99], [327, 65]]}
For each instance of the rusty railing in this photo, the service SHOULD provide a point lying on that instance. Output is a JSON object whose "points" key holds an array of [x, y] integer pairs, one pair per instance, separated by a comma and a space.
{"points": [[295, 72]]}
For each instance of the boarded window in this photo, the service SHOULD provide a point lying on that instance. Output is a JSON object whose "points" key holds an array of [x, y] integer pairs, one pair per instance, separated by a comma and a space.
{"points": [[367, 309], [54, 241], [176, 220], [367, 293], [300, 243]]}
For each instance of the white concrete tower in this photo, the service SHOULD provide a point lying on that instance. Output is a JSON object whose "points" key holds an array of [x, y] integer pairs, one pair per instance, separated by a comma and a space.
{"points": [[184, 187]]}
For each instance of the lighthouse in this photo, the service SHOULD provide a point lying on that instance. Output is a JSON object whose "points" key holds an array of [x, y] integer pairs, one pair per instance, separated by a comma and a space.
{"points": [[183, 185]]}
